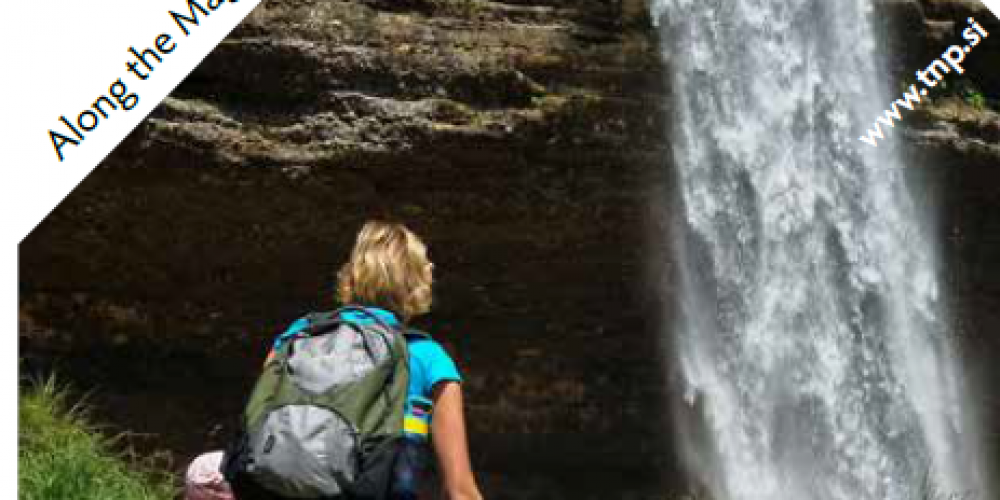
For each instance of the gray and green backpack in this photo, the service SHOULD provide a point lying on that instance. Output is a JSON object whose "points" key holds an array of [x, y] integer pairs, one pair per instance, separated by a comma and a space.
{"points": [[326, 415]]}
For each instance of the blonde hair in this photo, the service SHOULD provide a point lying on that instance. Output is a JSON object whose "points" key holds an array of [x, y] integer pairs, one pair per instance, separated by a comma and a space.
{"points": [[388, 268]]}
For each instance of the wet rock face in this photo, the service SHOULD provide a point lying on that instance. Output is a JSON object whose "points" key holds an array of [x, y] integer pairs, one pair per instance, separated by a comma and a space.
{"points": [[952, 145], [953, 141]]}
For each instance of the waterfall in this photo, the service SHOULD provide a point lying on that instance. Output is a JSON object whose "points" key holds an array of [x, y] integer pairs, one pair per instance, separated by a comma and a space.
{"points": [[812, 341]]}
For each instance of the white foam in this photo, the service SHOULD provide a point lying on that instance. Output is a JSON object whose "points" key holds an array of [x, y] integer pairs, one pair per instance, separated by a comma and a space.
{"points": [[817, 346]]}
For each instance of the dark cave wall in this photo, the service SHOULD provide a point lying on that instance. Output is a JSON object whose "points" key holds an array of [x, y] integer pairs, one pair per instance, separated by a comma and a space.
{"points": [[521, 139]]}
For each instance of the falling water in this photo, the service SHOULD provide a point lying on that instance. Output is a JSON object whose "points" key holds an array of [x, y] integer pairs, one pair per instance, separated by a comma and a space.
{"points": [[812, 341]]}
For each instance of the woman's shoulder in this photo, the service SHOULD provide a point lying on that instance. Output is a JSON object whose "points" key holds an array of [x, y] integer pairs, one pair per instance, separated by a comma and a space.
{"points": [[416, 339], [430, 362], [421, 345]]}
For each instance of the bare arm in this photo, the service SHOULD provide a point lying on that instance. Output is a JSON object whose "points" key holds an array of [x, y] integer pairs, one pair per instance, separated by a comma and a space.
{"points": [[450, 446]]}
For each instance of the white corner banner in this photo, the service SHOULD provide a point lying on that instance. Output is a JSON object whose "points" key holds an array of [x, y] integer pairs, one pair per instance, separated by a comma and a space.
{"points": [[994, 6], [80, 76]]}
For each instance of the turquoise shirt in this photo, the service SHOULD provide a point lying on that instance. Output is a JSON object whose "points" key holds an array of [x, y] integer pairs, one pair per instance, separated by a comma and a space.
{"points": [[430, 364]]}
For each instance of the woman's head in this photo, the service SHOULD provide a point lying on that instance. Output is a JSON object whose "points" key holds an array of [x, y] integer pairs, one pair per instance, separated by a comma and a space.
{"points": [[388, 268]]}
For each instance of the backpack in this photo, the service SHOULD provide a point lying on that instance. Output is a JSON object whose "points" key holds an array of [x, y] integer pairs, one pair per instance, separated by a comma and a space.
{"points": [[325, 418]]}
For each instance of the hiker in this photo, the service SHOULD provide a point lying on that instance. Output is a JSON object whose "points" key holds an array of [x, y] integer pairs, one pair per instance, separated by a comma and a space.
{"points": [[386, 283]]}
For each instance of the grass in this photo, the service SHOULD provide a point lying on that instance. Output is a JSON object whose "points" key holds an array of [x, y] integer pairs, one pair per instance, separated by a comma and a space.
{"points": [[63, 457]]}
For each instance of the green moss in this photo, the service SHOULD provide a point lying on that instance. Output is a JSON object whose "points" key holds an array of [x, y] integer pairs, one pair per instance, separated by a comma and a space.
{"points": [[965, 89], [62, 457], [576, 98], [976, 99]]}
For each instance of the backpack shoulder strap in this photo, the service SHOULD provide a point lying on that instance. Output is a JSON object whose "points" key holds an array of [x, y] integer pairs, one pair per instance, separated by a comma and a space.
{"points": [[365, 312], [321, 322], [420, 334]]}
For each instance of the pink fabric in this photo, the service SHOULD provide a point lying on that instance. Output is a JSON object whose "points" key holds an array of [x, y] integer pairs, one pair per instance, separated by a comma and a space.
{"points": [[204, 481]]}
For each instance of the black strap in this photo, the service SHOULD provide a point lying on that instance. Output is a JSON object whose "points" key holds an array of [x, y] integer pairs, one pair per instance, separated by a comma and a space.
{"points": [[413, 332], [338, 314], [363, 310]]}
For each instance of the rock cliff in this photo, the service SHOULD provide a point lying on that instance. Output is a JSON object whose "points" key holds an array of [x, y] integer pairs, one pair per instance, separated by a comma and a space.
{"points": [[518, 137]]}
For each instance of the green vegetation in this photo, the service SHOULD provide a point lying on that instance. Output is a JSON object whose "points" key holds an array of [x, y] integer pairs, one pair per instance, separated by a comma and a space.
{"points": [[967, 91], [964, 89], [62, 457], [976, 99]]}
